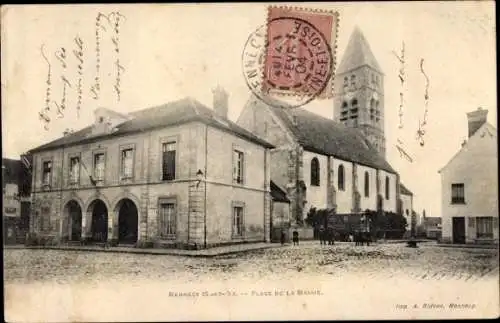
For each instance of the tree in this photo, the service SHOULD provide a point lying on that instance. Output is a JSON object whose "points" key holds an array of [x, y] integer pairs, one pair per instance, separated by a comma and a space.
{"points": [[396, 225], [312, 217]]}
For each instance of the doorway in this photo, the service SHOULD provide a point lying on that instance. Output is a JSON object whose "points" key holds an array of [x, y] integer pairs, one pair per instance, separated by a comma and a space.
{"points": [[99, 226], [127, 222], [75, 217], [458, 225]]}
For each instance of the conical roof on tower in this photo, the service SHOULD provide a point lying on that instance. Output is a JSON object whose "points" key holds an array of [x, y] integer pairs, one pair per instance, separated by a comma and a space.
{"points": [[358, 53]]}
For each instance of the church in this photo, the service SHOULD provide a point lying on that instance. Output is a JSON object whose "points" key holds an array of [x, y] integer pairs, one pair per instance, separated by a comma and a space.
{"points": [[336, 163]]}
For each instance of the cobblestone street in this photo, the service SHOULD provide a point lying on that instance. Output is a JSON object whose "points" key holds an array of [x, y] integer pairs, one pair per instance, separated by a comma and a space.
{"points": [[379, 261], [327, 270]]}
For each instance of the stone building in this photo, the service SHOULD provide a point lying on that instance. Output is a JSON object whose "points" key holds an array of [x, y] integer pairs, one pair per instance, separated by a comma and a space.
{"points": [[16, 182], [339, 163], [176, 175], [469, 186]]}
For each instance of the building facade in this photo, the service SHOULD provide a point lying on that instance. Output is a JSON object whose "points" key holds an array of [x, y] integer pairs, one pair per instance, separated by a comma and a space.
{"points": [[16, 182], [432, 227], [469, 186], [178, 175]]}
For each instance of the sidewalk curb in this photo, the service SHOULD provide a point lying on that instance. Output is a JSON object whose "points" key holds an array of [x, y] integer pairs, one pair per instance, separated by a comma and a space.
{"points": [[157, 252], [468, 246]]}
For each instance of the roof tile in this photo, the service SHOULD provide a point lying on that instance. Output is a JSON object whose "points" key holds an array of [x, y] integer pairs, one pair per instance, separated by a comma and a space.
{"points": [[170, 114], [325, 136]]}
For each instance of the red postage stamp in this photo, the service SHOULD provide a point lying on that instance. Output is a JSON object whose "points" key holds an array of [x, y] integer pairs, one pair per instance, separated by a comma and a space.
{"points": [[300, 52]]}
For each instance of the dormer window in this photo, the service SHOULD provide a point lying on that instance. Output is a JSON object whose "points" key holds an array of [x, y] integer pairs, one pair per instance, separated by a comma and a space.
{"points": [[101, 119]]}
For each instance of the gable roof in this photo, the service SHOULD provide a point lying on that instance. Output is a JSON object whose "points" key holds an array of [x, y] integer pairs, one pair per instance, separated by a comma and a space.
{"points": [[358, 53], [486, 126], [278, 194], [403, 190], [170, 114], [325, 136]]}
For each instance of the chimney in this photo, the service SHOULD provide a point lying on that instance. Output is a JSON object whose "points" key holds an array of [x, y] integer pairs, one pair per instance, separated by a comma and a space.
{"points": [[67, 132], [476, 120], [220, 104]]}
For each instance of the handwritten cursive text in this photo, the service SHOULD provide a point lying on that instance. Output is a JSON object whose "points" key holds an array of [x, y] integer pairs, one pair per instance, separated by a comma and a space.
{"points": [[116, 42], [78, 52], [61, 56], [44, 113]]}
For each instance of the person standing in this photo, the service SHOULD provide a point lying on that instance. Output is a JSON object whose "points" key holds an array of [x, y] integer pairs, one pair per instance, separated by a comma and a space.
{"points": [[295, 238], [322, 235]]}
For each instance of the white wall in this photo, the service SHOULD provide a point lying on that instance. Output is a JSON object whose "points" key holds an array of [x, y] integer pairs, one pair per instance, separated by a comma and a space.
{"points": [[344, 198], [475, 166], [316, 195], [390, 204], [369, 202]]}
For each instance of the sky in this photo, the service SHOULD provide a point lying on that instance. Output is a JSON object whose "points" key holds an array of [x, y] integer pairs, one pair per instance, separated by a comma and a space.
{"points": [[172, 51]]}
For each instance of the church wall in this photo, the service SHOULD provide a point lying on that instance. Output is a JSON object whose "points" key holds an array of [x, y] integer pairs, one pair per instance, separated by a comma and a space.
{"points": [[316, 195], [343, 197], [279, 169], [390, 204], [370, 201]]}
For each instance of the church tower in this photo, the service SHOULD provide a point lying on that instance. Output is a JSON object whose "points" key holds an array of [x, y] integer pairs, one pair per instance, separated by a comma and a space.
{"points": [[359, 91]]}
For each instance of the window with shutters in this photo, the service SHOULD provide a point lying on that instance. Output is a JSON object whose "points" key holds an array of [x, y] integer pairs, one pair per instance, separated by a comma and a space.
{"points": [[315, 172], [168, 160], [238, 164], [127, 163], [47, 172], [74, 170], [99, 166], [457, 193], [484, 227], [168, 218]]}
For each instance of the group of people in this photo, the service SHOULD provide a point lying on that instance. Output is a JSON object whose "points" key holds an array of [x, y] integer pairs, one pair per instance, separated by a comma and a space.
{"points": [[327, 236], [360, 238]]}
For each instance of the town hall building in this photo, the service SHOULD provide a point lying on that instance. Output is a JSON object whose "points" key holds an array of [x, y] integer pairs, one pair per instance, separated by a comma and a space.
{"points": [[177, 175]]}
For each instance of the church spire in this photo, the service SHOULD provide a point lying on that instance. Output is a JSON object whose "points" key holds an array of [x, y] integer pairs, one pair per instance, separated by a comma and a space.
{"points": [[359, 91], [358, 53]]}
